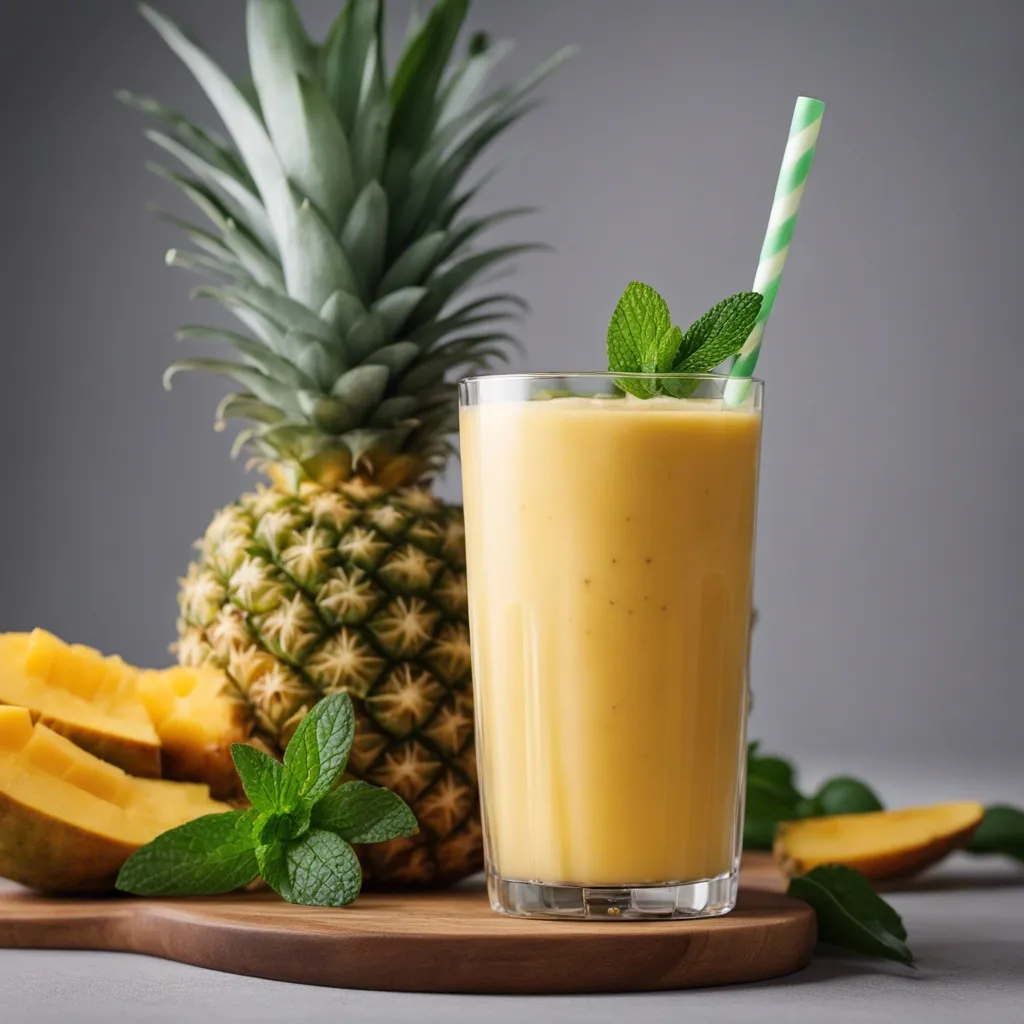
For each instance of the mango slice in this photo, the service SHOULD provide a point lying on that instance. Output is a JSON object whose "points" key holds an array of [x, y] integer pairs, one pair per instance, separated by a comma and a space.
{"points": [[80, 694], [880, 844], [197, 716], [68, 820]]}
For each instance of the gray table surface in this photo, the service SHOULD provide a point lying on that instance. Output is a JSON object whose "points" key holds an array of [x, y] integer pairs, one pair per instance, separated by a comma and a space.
{"points": [[966, 924]]}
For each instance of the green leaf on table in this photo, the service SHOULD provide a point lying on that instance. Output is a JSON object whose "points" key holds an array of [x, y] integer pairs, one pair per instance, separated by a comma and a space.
{"points": [[319, 870], [210, 855], [361, 813], [761, 817], [851, 914], [843, 795], [263, 778], [318, 751], [758, 830], [1001, 832], [771, 770], [772, 797]]}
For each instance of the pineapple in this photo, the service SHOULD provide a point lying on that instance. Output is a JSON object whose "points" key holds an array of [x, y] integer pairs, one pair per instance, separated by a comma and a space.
{"points": [[340, 241]]}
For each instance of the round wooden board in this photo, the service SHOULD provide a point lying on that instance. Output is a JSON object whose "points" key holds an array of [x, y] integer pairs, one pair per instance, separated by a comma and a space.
{"points": [[428, 942]]}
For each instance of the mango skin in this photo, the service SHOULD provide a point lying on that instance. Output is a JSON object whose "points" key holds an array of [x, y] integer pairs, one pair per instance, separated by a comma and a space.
{"points": [[143, 760], [45, 853], [68, 820], [954, 826]]}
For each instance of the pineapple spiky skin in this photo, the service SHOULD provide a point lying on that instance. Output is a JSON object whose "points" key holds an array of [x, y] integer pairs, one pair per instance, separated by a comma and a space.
{"points": [[296, 595]]}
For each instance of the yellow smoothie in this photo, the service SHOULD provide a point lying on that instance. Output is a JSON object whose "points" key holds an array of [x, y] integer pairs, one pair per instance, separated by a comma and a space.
{"points": [[610, 546]]}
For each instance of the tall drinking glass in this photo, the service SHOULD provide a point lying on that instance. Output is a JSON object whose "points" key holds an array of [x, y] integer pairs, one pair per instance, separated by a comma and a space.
{"points": [[610, 542]]}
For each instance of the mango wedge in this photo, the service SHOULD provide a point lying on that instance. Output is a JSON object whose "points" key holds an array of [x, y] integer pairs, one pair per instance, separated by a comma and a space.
{"points": [[881, 844], [197, 717], [80, 694], [68, 820]]}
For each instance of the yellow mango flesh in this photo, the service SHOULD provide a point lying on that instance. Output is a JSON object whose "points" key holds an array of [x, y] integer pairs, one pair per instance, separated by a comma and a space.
{"points": [[880, 844], [68, 820], [197, 720], [82, 695]]}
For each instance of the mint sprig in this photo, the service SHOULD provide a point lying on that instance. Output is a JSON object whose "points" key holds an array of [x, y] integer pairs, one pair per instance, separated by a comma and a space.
{"points": [[851, 914], [643, 339], [297, 835]]}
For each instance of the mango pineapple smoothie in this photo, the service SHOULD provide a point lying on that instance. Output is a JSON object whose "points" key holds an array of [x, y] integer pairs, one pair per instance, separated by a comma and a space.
{"points": [[610, 547]]}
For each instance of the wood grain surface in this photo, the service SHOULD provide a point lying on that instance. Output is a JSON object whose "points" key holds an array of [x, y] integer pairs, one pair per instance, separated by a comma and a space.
{"points": [[427, 942]]}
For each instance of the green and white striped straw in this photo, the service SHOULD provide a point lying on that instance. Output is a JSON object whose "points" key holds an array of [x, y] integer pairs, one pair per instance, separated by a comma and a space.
{"points": [[796, 166]]}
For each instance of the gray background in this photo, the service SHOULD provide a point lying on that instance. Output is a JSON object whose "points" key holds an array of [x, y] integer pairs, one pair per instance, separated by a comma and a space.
{"points": [[890, 555]]}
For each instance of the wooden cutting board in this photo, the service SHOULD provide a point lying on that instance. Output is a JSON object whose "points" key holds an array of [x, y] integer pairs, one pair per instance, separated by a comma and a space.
{"points": [[427, 942]]}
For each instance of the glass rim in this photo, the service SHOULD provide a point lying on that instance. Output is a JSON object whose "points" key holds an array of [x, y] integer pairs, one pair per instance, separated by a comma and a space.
{"points": [[608, 375]]}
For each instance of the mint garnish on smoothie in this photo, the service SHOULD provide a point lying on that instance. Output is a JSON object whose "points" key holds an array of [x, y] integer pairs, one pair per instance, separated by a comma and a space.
{"points": [[643, 339]]}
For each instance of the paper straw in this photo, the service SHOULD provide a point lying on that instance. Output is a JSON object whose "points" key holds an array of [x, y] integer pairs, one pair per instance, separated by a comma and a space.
{"points": [[796, 166]]}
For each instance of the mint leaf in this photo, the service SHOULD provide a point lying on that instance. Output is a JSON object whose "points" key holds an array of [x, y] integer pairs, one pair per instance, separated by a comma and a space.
{"points": [[318, 751], [638, 322], [273, 863], [319, 870], [844, 795], [637, 326], [280, 826], [719, 333], [851, 914], [1001, 831], [263, 778], [668, 349], [210, 855], [361, 813], [642, 339]]}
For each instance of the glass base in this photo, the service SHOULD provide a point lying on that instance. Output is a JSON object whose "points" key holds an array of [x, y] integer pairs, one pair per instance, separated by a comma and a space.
{"points": [[706, 897]]}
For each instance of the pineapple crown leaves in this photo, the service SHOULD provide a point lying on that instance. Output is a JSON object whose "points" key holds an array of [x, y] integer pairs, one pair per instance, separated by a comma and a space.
{"points": [[337, 228], [297, 835]]}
